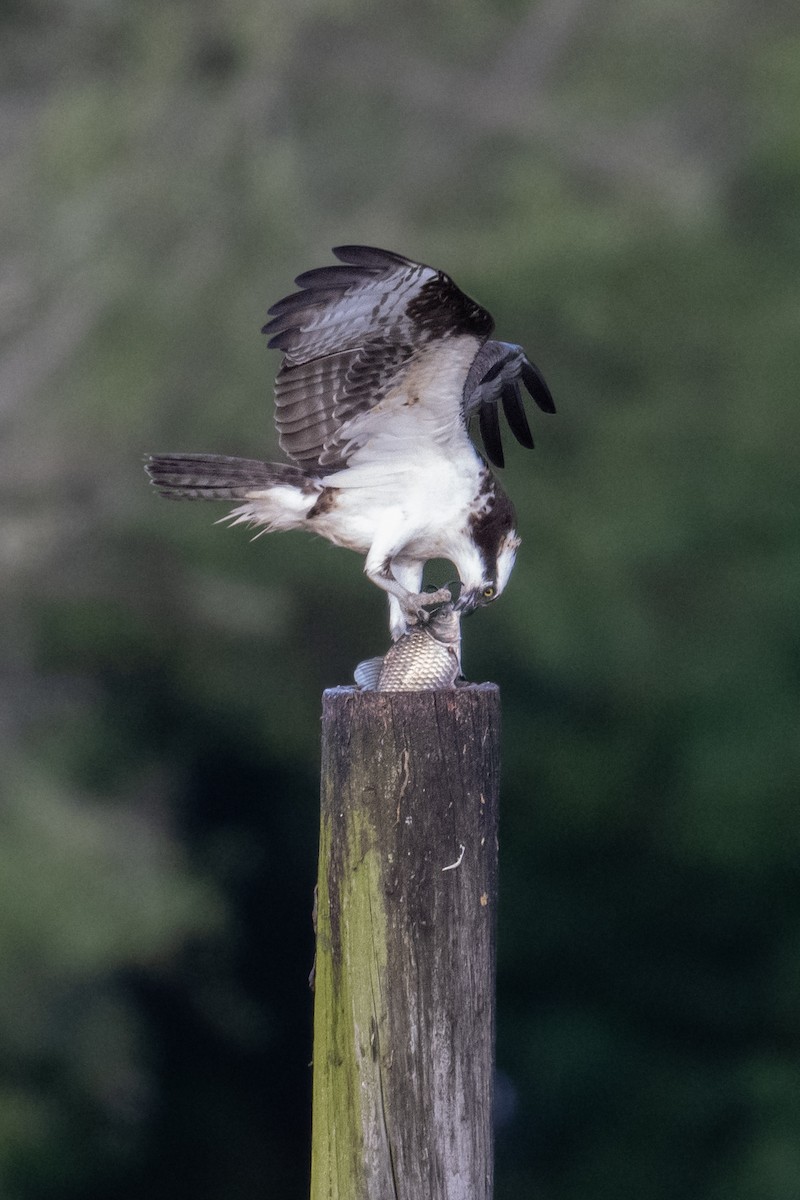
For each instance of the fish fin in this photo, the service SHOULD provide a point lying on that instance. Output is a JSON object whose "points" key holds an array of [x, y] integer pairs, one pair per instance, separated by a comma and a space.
{"points": [[368, 673]]}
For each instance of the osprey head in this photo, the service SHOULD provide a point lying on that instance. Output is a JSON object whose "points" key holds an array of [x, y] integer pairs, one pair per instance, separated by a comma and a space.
{"points": [[494, 544]]}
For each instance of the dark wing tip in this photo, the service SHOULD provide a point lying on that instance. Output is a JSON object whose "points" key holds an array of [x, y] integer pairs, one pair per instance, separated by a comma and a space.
{"points": [[494, 379], [514, 410], [288, 304], [535, 383], [489, 422], [371, 257], [280, 340], [334, 278]]}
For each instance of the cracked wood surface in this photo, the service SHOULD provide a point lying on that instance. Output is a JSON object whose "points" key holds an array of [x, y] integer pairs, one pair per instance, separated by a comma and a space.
{"points": [[407, 899]]}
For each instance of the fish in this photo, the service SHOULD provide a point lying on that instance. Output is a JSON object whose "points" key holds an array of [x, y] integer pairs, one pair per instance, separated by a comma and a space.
{"points": [[425, 658]]}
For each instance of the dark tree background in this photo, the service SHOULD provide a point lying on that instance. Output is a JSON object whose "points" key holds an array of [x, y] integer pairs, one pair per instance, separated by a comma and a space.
{"points": [[618, 183]]}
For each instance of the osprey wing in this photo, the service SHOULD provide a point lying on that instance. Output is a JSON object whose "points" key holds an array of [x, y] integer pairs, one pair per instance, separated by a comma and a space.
{"points": [[350, 337], [494, 378]]}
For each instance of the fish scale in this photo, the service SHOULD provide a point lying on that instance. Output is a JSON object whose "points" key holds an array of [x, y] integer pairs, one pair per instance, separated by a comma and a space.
{"points": [[425, 658]]}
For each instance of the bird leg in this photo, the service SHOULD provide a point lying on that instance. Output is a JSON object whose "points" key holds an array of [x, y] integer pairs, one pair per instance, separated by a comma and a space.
{"points": [[401, 578]]}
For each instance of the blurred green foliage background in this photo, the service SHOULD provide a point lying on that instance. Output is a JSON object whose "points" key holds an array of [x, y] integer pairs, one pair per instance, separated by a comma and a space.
{"points": [[618, 183]]}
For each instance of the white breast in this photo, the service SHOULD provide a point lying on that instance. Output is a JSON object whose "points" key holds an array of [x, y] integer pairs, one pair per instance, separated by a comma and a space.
{"points": [[417, 502]]}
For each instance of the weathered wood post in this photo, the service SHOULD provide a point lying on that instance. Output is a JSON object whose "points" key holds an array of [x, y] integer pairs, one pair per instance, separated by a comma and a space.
{"points": [[405, 973]]}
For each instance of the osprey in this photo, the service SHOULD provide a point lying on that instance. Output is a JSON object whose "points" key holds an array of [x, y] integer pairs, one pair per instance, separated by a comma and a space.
{"points": [[385, 363]]}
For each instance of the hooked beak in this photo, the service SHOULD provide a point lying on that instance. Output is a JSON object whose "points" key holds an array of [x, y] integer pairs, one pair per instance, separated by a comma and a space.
{"points": [[468, 601]]}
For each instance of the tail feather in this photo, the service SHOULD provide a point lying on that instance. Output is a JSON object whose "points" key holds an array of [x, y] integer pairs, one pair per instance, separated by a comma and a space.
{"points": [[217, 476]]}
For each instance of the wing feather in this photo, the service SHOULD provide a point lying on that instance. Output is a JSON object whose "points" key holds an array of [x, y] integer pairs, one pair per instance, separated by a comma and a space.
{"points": [[489, 421], [371, 256], [350, 337], [494, 378], [514, 410]]}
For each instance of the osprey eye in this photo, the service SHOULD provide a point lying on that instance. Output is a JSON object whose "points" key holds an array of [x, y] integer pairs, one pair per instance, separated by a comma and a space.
{"points": [[488, 592]]}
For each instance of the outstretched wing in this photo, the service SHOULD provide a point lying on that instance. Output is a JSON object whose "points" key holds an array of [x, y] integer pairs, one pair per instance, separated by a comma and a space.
{"points": [[358, 333], [494, 378]]}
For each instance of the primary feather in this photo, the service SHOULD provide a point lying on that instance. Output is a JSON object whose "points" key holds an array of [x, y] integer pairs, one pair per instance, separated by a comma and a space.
{"points": [[351, 337]]}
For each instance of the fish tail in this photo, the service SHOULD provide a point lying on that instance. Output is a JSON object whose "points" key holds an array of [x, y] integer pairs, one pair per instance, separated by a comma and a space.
{"points": [[367, 674]]}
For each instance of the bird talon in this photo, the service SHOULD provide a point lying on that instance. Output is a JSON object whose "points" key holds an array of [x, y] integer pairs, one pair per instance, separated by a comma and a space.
{"points": [[417, 605], [441, 596]]}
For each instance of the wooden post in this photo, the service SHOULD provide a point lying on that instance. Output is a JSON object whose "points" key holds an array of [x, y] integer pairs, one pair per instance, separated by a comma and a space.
{"points": [[405, 973]]}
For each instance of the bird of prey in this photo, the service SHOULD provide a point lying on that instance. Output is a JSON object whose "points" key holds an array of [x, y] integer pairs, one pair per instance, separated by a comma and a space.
{"points": [[385, 363]]}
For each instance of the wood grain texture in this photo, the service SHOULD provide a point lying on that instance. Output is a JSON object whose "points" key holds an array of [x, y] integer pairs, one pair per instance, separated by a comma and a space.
{"points": [[404, 1004]]}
